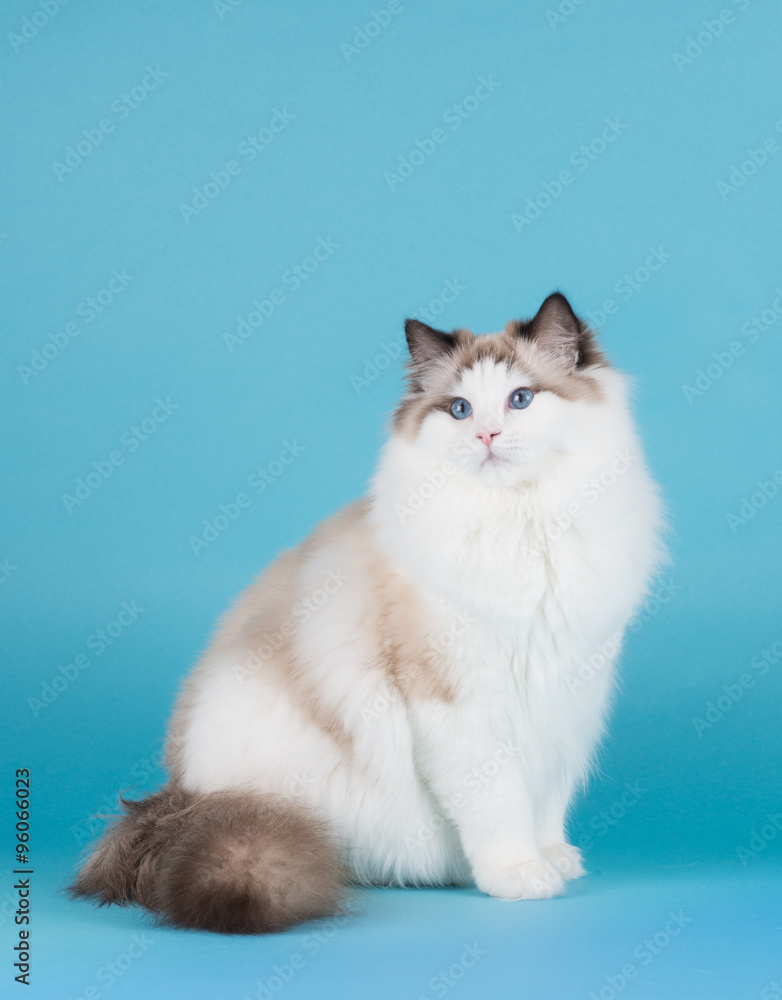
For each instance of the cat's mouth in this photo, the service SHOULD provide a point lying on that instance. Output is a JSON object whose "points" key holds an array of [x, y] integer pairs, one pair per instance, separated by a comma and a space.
{"points": [[492, 458]]}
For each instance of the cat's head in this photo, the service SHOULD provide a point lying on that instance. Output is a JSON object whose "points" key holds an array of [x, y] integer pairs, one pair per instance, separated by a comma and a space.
{"points": [[498, 406]]}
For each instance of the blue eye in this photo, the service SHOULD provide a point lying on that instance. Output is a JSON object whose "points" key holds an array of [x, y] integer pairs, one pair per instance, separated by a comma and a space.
{"points": [[520, 399], [460, 409]]}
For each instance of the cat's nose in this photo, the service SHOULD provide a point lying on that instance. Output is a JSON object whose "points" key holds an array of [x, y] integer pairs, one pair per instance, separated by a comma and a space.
{"points": [[487, 437]]}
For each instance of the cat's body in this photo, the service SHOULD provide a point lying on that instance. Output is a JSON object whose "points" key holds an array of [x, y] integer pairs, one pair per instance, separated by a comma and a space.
{"points": [[422, 683]]}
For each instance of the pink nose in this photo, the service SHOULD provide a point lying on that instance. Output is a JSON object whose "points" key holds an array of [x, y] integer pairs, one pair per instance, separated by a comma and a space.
{"points": [[487, 437]]}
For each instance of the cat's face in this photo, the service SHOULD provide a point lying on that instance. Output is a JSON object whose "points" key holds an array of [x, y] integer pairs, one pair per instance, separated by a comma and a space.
{"points": [[499, 406]]}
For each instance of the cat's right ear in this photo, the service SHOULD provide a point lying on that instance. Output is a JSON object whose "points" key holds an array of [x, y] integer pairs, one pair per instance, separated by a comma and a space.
{"points": [[427, 346]]}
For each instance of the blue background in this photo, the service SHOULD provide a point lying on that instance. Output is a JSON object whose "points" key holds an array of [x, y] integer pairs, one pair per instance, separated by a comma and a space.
{"points": [[309, 376]]}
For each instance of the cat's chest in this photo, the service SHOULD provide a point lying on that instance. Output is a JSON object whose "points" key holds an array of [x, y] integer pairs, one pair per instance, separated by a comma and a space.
{"points": [[521, 580], [511, 560], [521, 570]]}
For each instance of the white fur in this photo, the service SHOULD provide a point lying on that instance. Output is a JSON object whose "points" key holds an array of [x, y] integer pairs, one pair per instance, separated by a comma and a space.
{"points": [[473, 789]]}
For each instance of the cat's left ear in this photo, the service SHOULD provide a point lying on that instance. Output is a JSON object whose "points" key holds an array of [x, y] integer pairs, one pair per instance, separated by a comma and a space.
{"points": [[558, 331], [427, 345]]}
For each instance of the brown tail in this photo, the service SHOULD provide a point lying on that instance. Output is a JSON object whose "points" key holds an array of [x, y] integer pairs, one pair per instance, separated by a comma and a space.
{"points": [[229, 862]]}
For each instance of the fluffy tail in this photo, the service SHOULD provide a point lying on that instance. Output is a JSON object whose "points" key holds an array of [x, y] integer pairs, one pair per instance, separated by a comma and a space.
{"points": [[229, 862]]}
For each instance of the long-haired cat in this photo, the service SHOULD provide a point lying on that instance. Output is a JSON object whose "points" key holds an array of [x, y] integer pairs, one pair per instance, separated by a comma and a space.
{"points": [[412, 696]]}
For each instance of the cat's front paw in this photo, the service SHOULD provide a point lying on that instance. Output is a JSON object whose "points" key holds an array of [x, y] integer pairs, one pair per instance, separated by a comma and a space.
{"points": [[535, 879], [566, 859]]}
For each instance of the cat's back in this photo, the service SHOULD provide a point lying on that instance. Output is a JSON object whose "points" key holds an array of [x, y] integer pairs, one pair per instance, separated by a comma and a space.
{"points": [[300, 581]]}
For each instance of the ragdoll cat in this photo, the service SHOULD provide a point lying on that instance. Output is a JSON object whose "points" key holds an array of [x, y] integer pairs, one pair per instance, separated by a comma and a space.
{"points": [[412, 696]]}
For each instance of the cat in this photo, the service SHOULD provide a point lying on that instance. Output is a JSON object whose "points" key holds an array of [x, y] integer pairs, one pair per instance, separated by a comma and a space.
{"points": [[414, 694]]}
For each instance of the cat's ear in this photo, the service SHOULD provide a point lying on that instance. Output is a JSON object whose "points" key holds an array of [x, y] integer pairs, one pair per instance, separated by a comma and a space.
{"points": [[558, 331], [427, 345]]}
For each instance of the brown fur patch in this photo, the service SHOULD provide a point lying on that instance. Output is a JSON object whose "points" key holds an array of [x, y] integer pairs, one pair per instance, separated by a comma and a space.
{"points": [[306, 697], [413, 663], [229, 862]]}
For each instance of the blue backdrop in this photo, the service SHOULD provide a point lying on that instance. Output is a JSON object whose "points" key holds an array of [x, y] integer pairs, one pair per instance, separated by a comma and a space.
{"points": [[215, 217]]}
